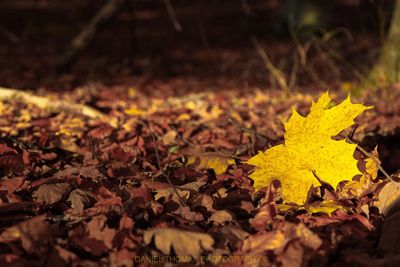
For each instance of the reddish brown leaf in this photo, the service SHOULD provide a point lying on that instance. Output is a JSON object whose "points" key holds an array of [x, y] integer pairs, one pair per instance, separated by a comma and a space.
{"points": [[35, 235], [51, 193]]}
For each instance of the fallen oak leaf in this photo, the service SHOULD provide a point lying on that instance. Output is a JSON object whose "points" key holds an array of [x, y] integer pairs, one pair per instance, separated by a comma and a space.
{"points": [[183, 243], [169, 138], [309, 148]]}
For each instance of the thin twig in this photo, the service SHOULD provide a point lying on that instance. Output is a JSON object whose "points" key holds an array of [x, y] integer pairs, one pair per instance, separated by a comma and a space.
{"points": [[52, 104], [251, 131], [276, 73], [93, 148], [172, 15], [167, 176], [318, 178], [371, 156]]}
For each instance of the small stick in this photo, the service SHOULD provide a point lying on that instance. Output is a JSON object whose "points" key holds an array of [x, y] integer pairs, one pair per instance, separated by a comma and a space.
{"points": [[87, 35], [47, 103], [371, 156], [316, 177], [93, 148], [172, 15], [181, 200]]}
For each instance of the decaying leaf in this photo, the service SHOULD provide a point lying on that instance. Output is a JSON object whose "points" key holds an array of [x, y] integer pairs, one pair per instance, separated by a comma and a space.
{"points": [[390, 236], [372, 165], [389, 199], [96, 238], [81, 199], [221, 217], [258, 244], [34, 234], [184, 191], [278, 239], [309, 152], [169, 138], [52, 193], [364, 185], [183, 243], [211, 161]]}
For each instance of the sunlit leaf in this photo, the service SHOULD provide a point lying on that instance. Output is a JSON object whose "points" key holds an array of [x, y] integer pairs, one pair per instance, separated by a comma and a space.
{"points": [[309, 152]]}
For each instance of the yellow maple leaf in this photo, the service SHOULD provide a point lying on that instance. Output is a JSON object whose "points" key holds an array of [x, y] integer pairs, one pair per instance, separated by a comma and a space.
{"points": [[211, 161], [309, 151], [327, 207]]}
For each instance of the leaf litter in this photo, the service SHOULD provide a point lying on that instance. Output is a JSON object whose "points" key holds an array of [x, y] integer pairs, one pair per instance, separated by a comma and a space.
{"points": [[171, 177]]}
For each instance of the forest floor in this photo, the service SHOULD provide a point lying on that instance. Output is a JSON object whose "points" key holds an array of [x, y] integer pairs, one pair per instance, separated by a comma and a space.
{"points": [[163, 172], [167, 176]]}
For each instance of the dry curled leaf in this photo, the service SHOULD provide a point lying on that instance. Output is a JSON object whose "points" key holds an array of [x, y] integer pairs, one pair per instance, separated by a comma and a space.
{"points": [[81, 199], [35, 235], [309, 152], [389, 199], [51, 193], [364, 184], [221, 217], [183, 243]]}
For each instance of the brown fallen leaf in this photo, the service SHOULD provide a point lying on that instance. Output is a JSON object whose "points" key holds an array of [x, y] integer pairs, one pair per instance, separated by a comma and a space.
{"points": [[51, 193], [188, 215], [183, 243], [220, 217], [11, 162], [98, 229], [61, 257], [95, 238], [389, 199], [390, 236], [262, 242], [34, 234], [81, 199], [4, 149], [277, 239], [11, 184], [363, 185], [169, 138]]}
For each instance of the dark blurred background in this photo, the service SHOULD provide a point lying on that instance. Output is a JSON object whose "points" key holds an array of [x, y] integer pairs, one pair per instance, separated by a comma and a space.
{"points": [[221, 43]]}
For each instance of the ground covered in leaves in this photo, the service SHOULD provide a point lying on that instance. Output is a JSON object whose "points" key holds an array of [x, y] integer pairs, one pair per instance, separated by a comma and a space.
{"points": [[164, 180]]}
